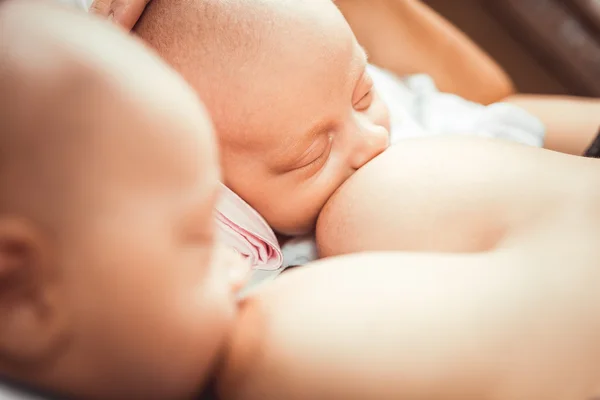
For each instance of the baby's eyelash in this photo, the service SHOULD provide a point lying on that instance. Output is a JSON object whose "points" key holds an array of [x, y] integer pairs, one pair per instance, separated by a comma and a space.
{"points": [[365, 102], [323, 155]]}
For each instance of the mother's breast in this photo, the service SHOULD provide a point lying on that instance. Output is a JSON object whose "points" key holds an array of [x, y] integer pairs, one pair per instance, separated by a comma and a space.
{"points": [[451, 194]]}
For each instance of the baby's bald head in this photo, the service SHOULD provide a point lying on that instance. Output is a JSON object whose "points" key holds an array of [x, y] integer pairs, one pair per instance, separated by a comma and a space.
{"points": [[286, 85], [43, 111], [216, 45], [108, 179]]}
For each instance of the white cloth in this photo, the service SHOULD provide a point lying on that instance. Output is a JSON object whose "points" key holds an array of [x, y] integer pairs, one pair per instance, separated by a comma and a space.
{"points": [[418, 109], [81, 4]]}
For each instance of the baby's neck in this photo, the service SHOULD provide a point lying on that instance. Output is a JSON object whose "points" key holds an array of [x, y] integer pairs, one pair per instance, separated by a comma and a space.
{"points": [[282, 239]]}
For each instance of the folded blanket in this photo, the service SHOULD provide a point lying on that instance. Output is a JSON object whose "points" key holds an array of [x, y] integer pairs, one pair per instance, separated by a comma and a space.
{"points": [[243, 229]]}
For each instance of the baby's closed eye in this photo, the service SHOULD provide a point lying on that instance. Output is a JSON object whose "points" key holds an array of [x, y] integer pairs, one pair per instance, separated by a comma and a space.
{"points": [[363, 95], [317, 153]]}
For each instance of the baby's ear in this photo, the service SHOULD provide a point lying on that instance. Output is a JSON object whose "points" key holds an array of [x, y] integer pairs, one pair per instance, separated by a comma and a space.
{"points": [[31, 321]]}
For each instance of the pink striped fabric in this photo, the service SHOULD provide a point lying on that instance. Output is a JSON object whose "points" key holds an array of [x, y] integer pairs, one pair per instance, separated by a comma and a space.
{"points": [[240, 227]]}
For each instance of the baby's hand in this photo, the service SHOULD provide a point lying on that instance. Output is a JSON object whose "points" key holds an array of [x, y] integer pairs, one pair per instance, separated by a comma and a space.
{"points": [[123, 12]]}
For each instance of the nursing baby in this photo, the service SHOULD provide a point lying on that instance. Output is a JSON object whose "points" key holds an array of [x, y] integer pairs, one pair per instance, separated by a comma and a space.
{"points": [[298, 110]]}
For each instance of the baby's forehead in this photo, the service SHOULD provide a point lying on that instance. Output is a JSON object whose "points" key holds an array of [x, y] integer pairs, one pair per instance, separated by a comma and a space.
{"points": [[266, 69], [286, 102]]}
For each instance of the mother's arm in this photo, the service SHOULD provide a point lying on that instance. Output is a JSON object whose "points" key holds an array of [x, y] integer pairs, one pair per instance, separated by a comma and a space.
{"points": [[408, 37], [571, 122]]}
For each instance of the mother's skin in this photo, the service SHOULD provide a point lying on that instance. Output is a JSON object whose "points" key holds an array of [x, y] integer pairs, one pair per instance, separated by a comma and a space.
{"points": [[452, 195], [518, 323], [517, 319]]}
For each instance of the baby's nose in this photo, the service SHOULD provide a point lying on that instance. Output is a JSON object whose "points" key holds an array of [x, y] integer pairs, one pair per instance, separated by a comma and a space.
{"points": [[373, 140]]}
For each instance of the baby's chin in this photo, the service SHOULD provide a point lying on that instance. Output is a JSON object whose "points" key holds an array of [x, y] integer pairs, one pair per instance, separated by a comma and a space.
{"points": [[305, 214], [286, 231]]}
